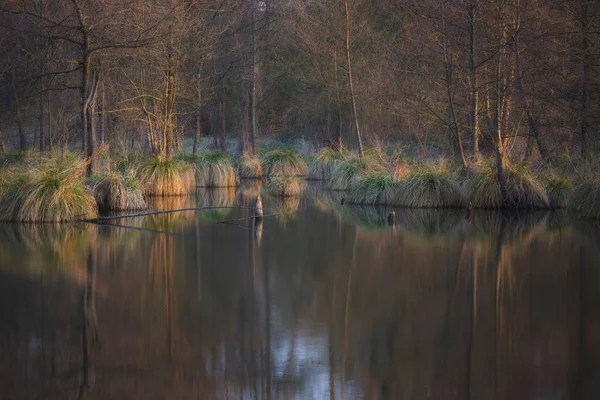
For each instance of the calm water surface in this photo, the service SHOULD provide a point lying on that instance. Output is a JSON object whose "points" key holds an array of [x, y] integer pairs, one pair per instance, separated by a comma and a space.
{"points": [[321, 301]]}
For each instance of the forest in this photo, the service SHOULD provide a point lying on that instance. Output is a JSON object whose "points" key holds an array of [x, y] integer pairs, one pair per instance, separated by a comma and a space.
{"points": [[452, 103]]}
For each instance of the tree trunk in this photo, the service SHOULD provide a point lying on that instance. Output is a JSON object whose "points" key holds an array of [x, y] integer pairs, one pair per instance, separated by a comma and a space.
{"points": [[42, 113], [351, 83], [339, 102], [2, 145], [19, 114], [198, 131], [255, 79], [473, 81], [499, 112], [102, 133], [585, 79], [222, 122], [455, 138]]}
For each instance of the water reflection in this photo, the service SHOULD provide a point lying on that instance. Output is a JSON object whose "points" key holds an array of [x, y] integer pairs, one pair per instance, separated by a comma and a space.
{"points": [[319, 305]]}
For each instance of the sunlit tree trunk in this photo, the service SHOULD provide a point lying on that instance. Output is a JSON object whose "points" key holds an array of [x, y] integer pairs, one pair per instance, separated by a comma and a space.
{"points": [[499, 111]]}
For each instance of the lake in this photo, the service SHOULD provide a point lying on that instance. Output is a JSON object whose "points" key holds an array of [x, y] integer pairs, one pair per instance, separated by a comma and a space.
{"points": [[319, 301]]}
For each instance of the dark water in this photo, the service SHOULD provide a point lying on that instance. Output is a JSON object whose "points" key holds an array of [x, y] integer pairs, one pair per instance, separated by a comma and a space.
{"points": [[320, 302]]}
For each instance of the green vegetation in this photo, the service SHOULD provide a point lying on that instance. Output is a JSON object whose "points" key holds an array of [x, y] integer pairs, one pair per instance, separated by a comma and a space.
{"points": [[285, 186], [163, 177], [348, 172], [585, 199], [13, 158], [116, 191], [53, 191], [283, 162], [430, 186], [323, 164], [558, 190], [215, 169], [522, 189], [376, 189], [250, 168]]}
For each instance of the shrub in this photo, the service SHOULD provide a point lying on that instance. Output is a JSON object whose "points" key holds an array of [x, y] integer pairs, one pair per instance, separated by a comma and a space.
{"points": [[166, 177], [54, 191], [250, 168], [323, 164], [585, 199], [283, 162], [119, 192], [522, 189], [285, 186], [215, 169]]}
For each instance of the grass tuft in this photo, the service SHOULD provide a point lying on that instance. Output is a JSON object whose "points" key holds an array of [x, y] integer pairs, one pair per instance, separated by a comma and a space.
{"points": [[523, 190], [285, 186], [215, 169], [558, 190], [250, 168], [376, 189], [324, 163], [53, 191], [585, 199], [348, 172], [430, 186], [163, 177], [283, 162], [117, 191]]}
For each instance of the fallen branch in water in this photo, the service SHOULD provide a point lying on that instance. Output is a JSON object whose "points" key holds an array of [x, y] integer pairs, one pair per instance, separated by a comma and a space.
{"points": [[246, 218], [144, 214]]}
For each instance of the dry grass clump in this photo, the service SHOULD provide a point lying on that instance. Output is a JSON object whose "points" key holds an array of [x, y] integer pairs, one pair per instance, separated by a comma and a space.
{"points": [[585, 199], [250, 168], [53, 191], [430, 186], [12, 158], [285, 186], [283, 162], [117, 191], [215, 169], [376, 189], [523, 190], [558, 190], [323, 164], [348, 172], [166, 177]]}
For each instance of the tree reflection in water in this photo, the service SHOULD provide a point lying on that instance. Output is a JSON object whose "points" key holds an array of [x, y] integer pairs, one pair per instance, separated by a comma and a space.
{"points": [[324, 304]]}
